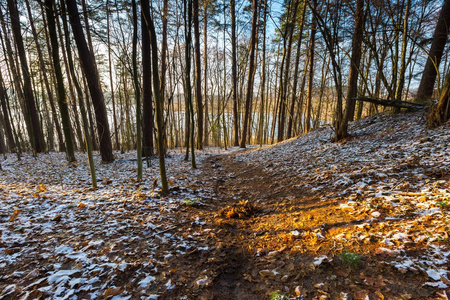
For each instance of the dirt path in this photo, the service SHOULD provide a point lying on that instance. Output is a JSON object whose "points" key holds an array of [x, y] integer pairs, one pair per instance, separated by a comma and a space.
{"points": [[269, 235]]}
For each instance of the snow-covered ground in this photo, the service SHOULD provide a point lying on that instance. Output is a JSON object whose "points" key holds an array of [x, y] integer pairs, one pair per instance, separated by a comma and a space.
{"points": [[60, 238]]}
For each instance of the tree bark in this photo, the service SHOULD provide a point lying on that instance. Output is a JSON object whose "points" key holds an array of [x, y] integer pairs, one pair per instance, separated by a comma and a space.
{"points": [[6, 120], [251, 74], [62, 147], [34, 126], [205, 71], [284, 78], [260, 138], [147, 109], [93, 82], [354, 69], [198, 77], [403, 63], [137, 93], [296, 71], [440, 36], [441, 113], [63, 109], [312, 44], [111, 83], [158, 106], [234, 72]]}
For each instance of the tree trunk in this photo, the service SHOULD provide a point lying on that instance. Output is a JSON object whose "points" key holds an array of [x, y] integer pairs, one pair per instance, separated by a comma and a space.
{"points": [[93, 83], [234, 72], [34, 126], [354, 69], [137, 93], [251, 74], [45, 77], [111, 83], [164, 64], [312, 44], [189, 108], [88, 138], [284, 78], [263, 79], [63, 109], [440, 36], [198, 76], [6, 120], [205, 71], [13, 68], [296, 70], [441, 113], [158, 106], [147, 113], [401, 77], [72, 100]]}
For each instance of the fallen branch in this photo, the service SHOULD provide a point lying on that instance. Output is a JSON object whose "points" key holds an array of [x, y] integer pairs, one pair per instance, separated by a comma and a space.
{"points": [[393, 103]]}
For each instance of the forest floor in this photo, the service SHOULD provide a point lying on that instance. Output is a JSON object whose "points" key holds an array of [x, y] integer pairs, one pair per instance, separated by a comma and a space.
{"points": [[366, 218]]}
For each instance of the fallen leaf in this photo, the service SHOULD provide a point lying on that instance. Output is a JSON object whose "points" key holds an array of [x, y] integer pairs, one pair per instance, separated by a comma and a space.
{"points": [[112, 292], [14, 215]]}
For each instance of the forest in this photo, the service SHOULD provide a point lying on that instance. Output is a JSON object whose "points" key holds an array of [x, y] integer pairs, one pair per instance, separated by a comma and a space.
{"points": [[224, 149]]}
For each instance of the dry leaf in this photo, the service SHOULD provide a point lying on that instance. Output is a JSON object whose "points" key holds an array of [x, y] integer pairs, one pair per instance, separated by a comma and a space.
{"points": [[42, 188], [14, 215], [112, 292]]}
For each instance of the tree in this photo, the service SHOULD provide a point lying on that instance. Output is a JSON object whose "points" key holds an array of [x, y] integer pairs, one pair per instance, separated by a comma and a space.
{"points": [[158, 104], [354, 70], [137, 93], [93, 81], [312, 43], [63, 109], [263, 77], [198, 76], [44, 71], [251, 74], [296, 71], [6, 119], [401, 77], [291, 16], [440, 113], [111, 82], [32, 118], [440, 36], [234, 72], [189, 108], [147, 109], [84, 119]]}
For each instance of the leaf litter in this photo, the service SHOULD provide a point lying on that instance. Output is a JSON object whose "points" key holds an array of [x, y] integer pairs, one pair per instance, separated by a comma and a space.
{"points": [[271, 219]]}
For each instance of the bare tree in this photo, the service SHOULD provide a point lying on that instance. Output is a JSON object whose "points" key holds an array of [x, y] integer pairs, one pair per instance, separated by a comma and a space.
{"points": [[92, 78], [32, 118], [158, 104], [354, 71], [440, 36], [63, 109], [198, 76], [251, 73]]}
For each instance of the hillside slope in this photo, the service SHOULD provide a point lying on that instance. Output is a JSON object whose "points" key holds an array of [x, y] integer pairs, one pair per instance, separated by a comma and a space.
{"points": [[380, 197], [366, 218]]}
